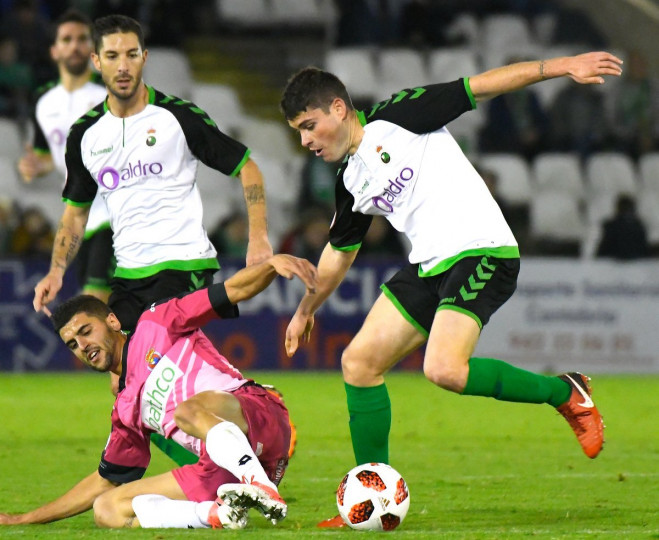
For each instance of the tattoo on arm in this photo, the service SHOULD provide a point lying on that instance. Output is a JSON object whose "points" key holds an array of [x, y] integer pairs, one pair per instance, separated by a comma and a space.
{"points": [[542, 70], [68, 247], [254, 195], [128, 524]]}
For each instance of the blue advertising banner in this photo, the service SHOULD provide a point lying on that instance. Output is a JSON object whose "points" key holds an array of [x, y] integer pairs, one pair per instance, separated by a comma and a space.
{"points": [[253, 341]]}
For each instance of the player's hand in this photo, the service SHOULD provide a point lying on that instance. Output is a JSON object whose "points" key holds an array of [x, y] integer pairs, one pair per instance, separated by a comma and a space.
{"points": [[289, 266], [46, 291], [589, 68], [258, 251], [10, 519], [29, 166], [299, 328]]}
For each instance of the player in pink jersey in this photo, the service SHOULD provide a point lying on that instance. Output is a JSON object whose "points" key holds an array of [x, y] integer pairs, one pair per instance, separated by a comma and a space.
{"points": [[174, 382]]}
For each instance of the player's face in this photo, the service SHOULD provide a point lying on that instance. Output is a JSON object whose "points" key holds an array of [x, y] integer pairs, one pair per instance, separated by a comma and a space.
{"points": [[324, 133], [72, 47], [120, 61], [95, 342]]}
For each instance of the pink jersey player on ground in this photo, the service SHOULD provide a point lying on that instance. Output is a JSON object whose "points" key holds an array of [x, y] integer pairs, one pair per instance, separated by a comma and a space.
{"points": [[173, 381]]}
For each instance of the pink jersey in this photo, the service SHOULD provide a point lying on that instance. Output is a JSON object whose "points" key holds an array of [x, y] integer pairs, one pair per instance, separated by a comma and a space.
{"points": [[167, 360]]}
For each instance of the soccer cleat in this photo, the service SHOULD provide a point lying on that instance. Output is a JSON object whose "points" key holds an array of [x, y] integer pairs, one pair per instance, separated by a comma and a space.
{"points": [[254, 495], [224, 516], [582, 415], [332, 523], [291, 447]]}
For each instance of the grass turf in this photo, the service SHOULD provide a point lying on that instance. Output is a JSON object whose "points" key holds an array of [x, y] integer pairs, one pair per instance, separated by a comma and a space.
{"points": [[476, 468]]}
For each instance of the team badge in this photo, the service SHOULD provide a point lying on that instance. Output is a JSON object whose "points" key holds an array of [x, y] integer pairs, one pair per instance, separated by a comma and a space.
{"points": [[384, 156], [152, 358], [151, 139]]}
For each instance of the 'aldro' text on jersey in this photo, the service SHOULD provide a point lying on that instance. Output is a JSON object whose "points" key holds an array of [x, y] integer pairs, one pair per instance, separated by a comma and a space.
{"points": [[409, 169], [144, 168]]}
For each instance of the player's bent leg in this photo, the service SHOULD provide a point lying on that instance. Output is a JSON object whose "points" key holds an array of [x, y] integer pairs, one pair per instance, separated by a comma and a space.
{"points": [[198, 414], [451, 342], [383, 340], [114, 508]]}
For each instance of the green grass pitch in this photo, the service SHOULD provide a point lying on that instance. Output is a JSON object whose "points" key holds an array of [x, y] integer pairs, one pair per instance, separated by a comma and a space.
{"points": [[476, 468]]}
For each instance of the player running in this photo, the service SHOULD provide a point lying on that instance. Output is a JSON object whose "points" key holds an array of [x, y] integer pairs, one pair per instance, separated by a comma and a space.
{"points": [[399, 160], [174, 382]]}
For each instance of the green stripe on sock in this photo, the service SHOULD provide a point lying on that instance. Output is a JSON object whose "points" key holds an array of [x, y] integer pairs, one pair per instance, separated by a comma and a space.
{"points": [[493, 378], [370, 422], [175, 451]]}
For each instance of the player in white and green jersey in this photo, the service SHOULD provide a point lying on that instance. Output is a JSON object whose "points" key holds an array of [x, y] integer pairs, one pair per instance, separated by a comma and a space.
{"points": [[58, 105], [138, 151], [399, 160]]}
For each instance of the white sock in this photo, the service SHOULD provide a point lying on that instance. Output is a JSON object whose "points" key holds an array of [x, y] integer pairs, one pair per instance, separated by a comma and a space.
{"points": [[229, 448], [160, 512]]}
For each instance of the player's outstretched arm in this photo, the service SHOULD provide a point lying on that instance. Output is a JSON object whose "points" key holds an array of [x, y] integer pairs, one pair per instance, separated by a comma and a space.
{"points": [[332, 268], [258, 247], [78, 499], [65, 247], [588, 68], [250, 281]]}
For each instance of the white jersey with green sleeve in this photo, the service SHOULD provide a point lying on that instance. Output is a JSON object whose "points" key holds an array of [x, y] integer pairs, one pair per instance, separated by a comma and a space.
{"points": [[144, 168], [409, 169], [55, 111]]}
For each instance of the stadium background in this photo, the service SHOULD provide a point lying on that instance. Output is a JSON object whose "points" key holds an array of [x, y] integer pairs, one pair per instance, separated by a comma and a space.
{"points": [[232, 57]]}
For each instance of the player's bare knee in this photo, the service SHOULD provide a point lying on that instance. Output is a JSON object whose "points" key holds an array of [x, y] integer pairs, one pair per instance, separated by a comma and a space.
{"points": [[446, 374], [185, 414], [104, 513], [358, 368]]}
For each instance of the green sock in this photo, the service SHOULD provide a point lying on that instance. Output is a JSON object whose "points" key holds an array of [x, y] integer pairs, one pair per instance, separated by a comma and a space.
{"points": [[370, 421], [175, 451], [493, 378]]}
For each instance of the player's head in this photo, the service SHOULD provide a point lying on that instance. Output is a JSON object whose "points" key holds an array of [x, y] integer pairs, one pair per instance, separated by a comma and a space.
{"points": [[119, 54], [72, 42], [317, 104], [90, 330]]}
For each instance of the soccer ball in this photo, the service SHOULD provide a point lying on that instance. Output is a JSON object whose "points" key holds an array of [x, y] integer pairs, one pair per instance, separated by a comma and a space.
{"points": [[373, 496]]}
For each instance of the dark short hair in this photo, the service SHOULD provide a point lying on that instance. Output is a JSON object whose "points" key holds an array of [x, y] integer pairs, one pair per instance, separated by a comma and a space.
{"points": [[71, 15], [115, 24], [313, 88], [83, 303]]}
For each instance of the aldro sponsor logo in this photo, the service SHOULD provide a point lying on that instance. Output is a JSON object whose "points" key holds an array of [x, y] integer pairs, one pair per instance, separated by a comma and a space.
{"points": [[393, 190], [156, 393], [109, 177]]}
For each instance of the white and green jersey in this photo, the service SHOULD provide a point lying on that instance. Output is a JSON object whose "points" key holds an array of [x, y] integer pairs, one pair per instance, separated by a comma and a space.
{"points": [[409, 169], [144, 168], [55, 111]]}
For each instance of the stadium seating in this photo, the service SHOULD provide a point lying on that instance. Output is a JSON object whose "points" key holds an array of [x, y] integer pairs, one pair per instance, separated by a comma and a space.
{"points": [[244, 13], [267, 137], [451, 63], [556, 217], [220, 195], [400, 68], [355, 66], [11, 139], [221, 103], [608, 174], [648, 168], [559, 171], [168, 70], [513, 176]]}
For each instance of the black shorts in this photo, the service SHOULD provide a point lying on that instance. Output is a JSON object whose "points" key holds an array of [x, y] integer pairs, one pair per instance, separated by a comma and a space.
{"points": [[130, 297], [475, 286], [96, 261]]}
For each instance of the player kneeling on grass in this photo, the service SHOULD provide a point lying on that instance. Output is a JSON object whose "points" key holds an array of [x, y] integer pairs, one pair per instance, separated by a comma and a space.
{"points": [[173, 381]]}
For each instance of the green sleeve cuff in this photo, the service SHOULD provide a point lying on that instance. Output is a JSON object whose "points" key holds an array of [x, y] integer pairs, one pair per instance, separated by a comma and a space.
{"points": [[472, 99]]}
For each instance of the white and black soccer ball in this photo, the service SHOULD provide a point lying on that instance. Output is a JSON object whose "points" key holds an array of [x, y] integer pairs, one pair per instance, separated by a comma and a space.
{"points": [[373, 496]]}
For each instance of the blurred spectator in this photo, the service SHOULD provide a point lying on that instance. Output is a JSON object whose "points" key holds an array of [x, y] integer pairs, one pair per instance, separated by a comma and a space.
{"points": [[624, 236], [577, 120], [231, 235], [15, 82], [7, 224], [34, 236], [30, 30], [318, 181], [382, 241], [635, 106], [515, 122], [310, 235]]}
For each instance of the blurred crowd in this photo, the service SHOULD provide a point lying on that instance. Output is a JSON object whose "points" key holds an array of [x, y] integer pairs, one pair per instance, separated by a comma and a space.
{"points": [[580, 118]]}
